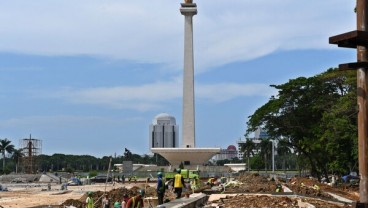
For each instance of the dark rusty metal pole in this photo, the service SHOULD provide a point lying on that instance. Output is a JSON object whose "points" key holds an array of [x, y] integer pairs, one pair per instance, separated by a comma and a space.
{"points": [[362, 78]]}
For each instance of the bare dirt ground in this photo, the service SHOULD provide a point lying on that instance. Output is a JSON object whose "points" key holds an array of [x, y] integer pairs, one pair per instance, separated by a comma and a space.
{"points": [[262, 201], [343, 190], [36, 195], [244, 194], [256, 184]]}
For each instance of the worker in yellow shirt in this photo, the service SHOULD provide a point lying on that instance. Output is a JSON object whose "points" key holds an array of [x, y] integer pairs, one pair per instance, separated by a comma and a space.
{"points": [[178, 183], [89, 200]]}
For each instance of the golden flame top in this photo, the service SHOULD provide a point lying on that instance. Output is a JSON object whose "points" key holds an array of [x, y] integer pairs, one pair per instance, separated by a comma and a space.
{"points": [[188, 1]]}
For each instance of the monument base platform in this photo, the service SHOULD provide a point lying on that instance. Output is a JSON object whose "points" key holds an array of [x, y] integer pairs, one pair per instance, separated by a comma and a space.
{"points": [[187, 156]]}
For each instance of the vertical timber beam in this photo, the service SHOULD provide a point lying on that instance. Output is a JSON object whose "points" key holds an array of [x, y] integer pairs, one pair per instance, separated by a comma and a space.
{"points": [[362, 78]]}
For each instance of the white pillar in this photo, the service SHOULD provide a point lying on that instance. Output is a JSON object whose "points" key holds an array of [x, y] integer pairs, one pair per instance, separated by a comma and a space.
{"points": [[188, 133]]}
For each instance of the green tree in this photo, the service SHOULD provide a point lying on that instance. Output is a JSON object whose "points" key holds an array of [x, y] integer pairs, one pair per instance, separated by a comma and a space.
{"points": [[305, 112], [266, 150], [257, 162], [16, 156], [339, 133], [247, 149], [5, 147], [283, 151]]}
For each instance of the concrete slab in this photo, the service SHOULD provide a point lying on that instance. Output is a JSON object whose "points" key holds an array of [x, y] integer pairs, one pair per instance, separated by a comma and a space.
{"points": [[342, 199], [214, 197], [305, 204], [286, 189], [193, 201]]}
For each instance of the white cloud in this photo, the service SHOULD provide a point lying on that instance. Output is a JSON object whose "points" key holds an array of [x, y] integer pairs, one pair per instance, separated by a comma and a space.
{"points": [[142, 97], [50, 123], [227, 91], [154, 96], [152, 31]]}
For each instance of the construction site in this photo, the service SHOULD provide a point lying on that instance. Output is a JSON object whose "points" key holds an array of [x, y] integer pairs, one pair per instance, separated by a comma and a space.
{"points": [[218, 186], [204, 186], [241, 190]]}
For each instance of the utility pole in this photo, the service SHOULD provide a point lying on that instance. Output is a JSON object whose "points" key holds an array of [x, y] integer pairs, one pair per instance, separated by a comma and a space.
{"points": [[359, 39]]}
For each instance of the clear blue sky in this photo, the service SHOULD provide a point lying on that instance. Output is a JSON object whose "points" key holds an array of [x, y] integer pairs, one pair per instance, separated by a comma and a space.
{"points": [[88, 76]]}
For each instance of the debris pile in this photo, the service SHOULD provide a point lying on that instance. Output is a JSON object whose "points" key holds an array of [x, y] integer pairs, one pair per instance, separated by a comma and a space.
{"points": [[311, 192], [304, 186], [307, 191], [114, 195], [240, 201], [250, 183]]}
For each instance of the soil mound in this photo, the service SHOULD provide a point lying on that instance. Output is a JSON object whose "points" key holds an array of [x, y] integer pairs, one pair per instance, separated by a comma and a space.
{"points": [[252, 183], [241, 201], [113, 195], [343, 190]]}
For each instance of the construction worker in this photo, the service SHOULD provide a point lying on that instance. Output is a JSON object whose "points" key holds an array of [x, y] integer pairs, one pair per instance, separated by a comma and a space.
{"points": [[211, 181], [117, 204], [125, 198], [316, 187], [279, 188], [178, 183], [160, 189], [223, 179], [105, 202], [136, 201], [132, 178], [89, 200], [195, 183]]}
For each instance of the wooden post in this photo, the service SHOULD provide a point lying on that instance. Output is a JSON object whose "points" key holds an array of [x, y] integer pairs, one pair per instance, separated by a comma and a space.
{"points": [[362, 78]]}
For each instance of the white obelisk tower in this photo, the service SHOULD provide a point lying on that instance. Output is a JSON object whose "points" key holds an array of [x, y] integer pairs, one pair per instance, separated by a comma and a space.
{"points": [[188, 154], [188, 9]]}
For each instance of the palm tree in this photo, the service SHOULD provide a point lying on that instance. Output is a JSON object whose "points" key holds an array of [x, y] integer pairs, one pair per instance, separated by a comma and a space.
{"points": [[5, 147], [266, 150], [283, 150], [248, 148], [17, 154]]}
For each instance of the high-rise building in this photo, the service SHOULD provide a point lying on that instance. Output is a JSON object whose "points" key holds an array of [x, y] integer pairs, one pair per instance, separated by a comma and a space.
{"points": [[164, 132]]}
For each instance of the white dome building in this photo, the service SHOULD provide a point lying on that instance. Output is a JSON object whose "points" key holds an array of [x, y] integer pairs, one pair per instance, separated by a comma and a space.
{"points": [[164, 118], [164, 133]]}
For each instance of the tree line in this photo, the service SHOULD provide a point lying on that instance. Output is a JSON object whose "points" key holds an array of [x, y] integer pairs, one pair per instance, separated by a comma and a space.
{"points": [[12, 157]]}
